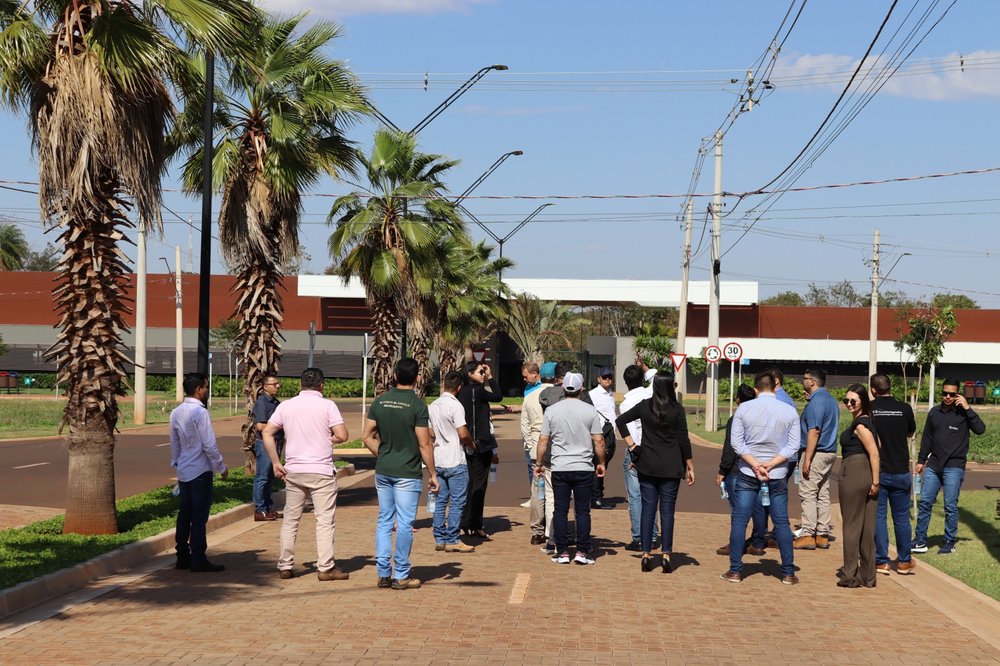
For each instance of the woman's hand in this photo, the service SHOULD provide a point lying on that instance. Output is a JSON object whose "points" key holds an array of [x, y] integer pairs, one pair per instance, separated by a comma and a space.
{"points": [[719, 479], [873, 491], [690, 474]]}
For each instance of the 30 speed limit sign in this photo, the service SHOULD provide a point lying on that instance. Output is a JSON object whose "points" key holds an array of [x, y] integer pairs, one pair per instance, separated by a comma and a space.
{"points": [[733, 352], [713, 354]]}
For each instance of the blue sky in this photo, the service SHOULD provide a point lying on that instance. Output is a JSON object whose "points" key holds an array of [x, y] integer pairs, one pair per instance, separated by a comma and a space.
{"points": [[613, 98]]}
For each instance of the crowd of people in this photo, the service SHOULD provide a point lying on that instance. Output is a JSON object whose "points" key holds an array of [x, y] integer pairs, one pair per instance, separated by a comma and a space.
{"points": [[569, 437]]}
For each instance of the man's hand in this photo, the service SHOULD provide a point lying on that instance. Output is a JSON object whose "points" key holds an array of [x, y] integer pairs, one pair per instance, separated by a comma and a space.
{"points": [[919, 469], [960, 401], [513, 409], [225, 473], [496, 458], [719, 479], [804, 468], [432, 484], [539, 471], [279, 471], [761, 472], [600, 470]]}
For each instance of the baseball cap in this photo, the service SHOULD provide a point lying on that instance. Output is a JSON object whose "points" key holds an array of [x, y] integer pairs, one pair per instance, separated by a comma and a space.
{"points": [[548, 370], [572, 382], [605, 371]]}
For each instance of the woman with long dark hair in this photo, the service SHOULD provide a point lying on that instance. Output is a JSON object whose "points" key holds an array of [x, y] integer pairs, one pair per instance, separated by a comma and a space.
{"points": [[663, 459], [859, 481], [478, 391]]}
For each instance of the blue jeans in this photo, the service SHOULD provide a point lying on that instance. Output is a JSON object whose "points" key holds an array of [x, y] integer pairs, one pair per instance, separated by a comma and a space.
{"points": [[746, 490], [581, 486], [758, 533], [454, 483], [951, 480], [397, 503], [658, 493], [634, 499], [894, 493], [531, 467], [196, 501], [263, 480]]}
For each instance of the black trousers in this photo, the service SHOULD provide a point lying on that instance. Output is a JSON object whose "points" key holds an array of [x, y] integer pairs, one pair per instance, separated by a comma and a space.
{"points": [[598, 485], [196, 502], [479, 474]]}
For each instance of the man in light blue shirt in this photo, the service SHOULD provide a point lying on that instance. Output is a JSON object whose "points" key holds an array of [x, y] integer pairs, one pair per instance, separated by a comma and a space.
{"points": [[196, 456], [820, 422], [765, 435]]}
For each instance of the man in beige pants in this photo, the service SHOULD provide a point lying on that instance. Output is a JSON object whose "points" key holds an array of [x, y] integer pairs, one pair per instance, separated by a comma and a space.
{"points": [[820, 421]]}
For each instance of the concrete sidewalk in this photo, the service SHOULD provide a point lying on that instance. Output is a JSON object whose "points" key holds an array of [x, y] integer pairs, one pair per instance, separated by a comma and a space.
{"points": [[506, 602]]}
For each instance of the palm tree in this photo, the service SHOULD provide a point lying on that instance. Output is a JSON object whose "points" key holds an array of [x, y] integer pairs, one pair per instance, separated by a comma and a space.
{"points": [[532, 322], [91, 76], [281, 126], [14, 249], [387, 236]]}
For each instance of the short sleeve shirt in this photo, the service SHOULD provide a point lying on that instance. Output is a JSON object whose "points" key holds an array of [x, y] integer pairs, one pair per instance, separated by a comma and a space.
{"points": [[262, 410], [569, 425], [307, 419], [397, 413], [446, 416], [822, 412]]}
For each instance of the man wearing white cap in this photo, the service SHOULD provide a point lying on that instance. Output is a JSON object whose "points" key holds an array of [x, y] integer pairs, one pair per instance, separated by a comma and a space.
{"points": [[573, 431]]}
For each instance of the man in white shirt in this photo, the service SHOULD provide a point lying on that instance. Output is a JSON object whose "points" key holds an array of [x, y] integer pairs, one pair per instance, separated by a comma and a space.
{"points": [[603, 398], [531, 427], [637, 392], [196, 456], [451, 441]]}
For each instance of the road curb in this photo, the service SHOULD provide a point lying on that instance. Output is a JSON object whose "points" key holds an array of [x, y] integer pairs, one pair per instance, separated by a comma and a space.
{"points": [[31, 593]]}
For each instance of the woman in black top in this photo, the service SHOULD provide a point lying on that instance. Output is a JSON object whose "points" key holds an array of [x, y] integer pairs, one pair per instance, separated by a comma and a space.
{"points": [[663, 459], [478, 391], [858, 489]]}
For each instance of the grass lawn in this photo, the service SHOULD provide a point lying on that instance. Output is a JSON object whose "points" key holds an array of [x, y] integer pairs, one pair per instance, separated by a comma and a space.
{"points": [[353, 444], [41, 548], [976, 559]]}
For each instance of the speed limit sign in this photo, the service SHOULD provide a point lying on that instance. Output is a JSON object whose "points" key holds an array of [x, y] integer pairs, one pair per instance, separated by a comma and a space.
{"points": [[713, 354], [733, 352]]}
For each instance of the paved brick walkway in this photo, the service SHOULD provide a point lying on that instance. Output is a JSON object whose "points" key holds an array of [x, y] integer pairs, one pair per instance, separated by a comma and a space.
{"points": [[506, 602]]}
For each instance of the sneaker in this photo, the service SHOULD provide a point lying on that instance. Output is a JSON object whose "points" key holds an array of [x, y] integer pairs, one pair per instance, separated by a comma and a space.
{"points": [[906, 568], [526, 505], [947, 548], [823, 541], [405, 584], [263, 516], [790, 580], [562, 558], [285, 574], [918, 547], [459, 548], [582, 558], [883, 569], [384, 582], [732, 577], [336, 573], [805, 542]]}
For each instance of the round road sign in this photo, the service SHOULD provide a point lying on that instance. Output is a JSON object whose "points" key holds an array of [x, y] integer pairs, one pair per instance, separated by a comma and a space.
{"points": [[713, 354], [732, 351]]}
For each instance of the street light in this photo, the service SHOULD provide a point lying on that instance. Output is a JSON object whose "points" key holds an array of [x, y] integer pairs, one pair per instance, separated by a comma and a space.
{"points": [[873, 328], [486, 174], [179, 325]]}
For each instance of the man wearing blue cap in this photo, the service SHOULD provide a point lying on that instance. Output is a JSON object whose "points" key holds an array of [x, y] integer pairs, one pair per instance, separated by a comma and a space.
{"points": [[603, 397]]}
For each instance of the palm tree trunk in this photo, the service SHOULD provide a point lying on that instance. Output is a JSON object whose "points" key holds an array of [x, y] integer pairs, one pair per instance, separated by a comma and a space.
{"points": [[260, 310], [89, 353], [447, 357], [422, 354], [385, 341]]}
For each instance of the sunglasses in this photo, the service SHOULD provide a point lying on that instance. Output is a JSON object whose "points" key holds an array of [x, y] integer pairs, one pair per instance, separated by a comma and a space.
{"points": [[850, 402], [607, 376], [949, 394], [480, 372]]}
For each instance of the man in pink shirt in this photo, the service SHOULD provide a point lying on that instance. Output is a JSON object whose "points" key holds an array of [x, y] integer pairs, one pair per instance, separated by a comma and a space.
{"points": [[312, 425]]}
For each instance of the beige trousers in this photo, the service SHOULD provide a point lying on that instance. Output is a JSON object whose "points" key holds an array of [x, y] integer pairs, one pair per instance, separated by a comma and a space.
{"points": [[815, 495], [323, 491]]}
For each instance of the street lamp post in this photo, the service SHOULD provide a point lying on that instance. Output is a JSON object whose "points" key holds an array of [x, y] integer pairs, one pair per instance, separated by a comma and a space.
{"points": [[179, 325], [486, 174], [873, 328]]}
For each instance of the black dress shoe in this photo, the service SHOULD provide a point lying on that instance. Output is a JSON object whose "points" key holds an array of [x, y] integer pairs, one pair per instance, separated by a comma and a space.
{"points": [[208, 567], [384, 582], [182, 564], [634, 546], [537, 539], [600, 504]]}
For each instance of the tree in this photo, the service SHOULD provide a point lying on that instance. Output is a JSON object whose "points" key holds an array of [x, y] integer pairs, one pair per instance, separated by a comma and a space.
{"points": [[42, 261], [954, 301], [654, 349], [839, 295], [92, 77], [388, 236], [281, 120], [785, 298], [3, 346], [925, 338], [531, 323], [13, 248]]}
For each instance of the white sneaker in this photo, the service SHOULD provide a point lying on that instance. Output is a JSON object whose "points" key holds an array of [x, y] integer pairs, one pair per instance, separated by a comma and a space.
{"points": [[581, 558], [526, 504], [561, 559]]}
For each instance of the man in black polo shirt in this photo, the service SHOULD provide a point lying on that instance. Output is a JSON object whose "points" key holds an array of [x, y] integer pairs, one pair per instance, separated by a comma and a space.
{"points": [[895, 425]]}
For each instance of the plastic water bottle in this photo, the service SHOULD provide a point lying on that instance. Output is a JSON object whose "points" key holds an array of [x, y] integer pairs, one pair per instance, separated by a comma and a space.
{"points": [[765, 494], [432, 499], [176, 490], [724, 494], [797, 476], [918, 481], [541, 488], [493, 473]]}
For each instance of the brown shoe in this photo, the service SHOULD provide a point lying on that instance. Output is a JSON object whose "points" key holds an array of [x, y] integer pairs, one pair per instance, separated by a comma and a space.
{"points": [[757, 552], [823, 541], [405, 584], [732, 577], [884, 569], [805, 542], [459, 548], [285, 574], [722, 550], [261, 517], [335, 573], [790, 580], [906, 568], [274, 515], [772, 543], [439, 546]]}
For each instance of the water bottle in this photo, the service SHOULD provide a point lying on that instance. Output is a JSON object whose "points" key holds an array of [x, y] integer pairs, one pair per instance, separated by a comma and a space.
{"points": [[432, 499], [176, 490], [493, 473], [797, 476], [918, 481], [724, 494], [541, 488], [765, 494]]}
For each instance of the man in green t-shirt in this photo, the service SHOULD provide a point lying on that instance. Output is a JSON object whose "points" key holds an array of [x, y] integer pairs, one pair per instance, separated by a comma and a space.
{"points": [[397, 431]]}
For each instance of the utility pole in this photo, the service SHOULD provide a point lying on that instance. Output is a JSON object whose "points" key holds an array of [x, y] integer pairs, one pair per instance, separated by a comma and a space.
{"points": [[139, 415], [205, 277], [712, 404], [179, 333], [682, 317], [873, 324]]}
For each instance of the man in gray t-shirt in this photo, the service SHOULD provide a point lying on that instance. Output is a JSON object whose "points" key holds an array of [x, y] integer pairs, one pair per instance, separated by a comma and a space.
{"points": [[573, 430]]}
